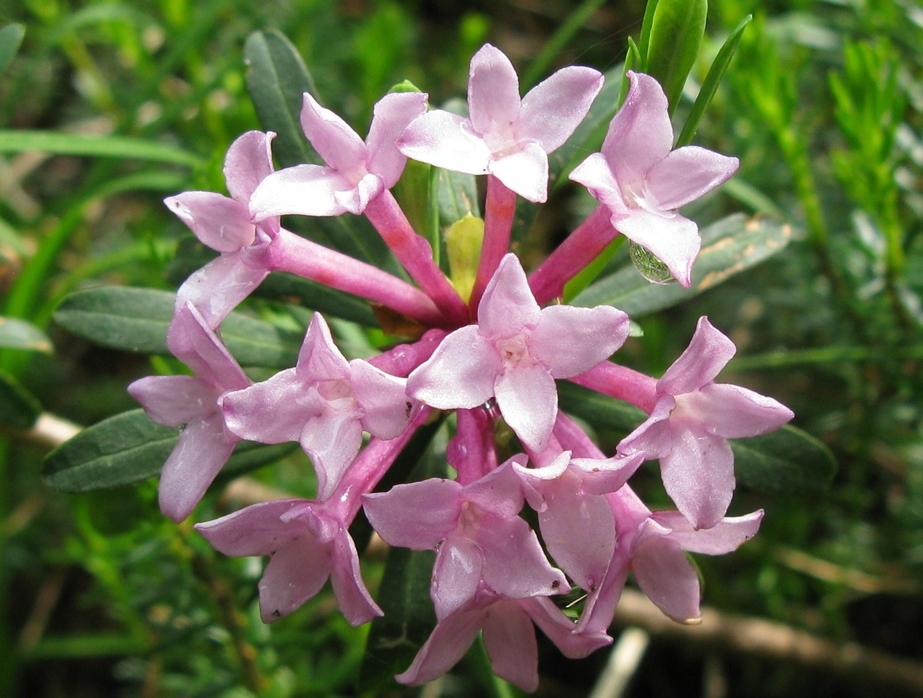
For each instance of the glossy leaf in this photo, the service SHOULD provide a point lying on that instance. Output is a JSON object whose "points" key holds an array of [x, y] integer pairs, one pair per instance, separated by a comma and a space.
{"points": [[729, 247], [18, 408], [129, 448], [10, 40], [676, 32], [136, 319], [19, 334], [121, 147]]}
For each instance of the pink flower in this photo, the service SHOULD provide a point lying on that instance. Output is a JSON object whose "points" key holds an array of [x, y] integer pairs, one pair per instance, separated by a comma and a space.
{"points": [[477, 532], [503, 135], [306, 544], [224, 224], [642, 181], [192, 404], [515, 353], [324, 403], [693, 418], [356, 171]]}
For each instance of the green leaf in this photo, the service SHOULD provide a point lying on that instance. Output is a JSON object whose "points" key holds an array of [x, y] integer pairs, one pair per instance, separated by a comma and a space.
{"points": [[729, 246], [129, 448], [19, 334], [787, 461], [136, 319], [710, 84], [10, 40], [676, 33], [603, 412], [18, 408], [277, 80], [122, 147]]}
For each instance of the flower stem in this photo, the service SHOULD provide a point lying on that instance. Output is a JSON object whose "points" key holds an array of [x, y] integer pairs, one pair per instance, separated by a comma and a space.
{"points": [[415, 253], [297, 255], [499, 211], [579, 249], [622, 383]]}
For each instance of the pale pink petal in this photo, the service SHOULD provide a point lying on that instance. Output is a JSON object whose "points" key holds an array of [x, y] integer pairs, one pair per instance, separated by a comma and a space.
{"points": [[674, 240], [524, 171], [445, 647], [688, 173], [493, 92], [724, 537], [332, 138], [271, 412], [595, 174], [393, 113], [415, 515], [247, 163], [734, 412], [174, 400], [459, 374], [604, 476], [355, 198], [294, 574], [500, 491], [654, 437], [640, 134], [668, 579], [220, 286], [332, 439], [592, 335], [320, 358], [509, 639], [382, 398], [698, 474], [708, 352], [579, 531], [445, 140], [507, 306], [220, 223], [514, 564], [528, 399], [539, 484], [356, 604], [553, 109], [561, 630], [456, 575], [202, 449], [255, 530], [304, 190], [191, 340]]}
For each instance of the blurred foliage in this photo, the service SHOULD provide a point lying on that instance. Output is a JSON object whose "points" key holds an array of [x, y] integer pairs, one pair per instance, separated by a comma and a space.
{"points": [[823, 104]]}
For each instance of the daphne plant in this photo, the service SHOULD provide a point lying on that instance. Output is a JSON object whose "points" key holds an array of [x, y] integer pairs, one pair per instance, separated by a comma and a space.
{"points": [[471, 384]]}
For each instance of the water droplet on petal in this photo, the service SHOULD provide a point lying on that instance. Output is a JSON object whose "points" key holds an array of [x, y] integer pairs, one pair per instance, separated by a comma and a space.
{"points": [[650, 267]]}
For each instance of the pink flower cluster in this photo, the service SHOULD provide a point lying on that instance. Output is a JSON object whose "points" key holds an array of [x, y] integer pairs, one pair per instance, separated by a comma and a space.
{"points": [[495, 355]]}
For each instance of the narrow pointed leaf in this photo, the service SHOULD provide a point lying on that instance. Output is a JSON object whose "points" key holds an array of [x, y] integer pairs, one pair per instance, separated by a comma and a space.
{"points": [[10, 40], [121, 147], [787, 461], [18, 408], [19, 334], [136, 319], [729, 246], [676, 32]]}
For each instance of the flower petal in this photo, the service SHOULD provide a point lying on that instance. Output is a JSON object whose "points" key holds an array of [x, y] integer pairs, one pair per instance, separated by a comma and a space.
{"points": [[304, 190], [591, 335], [382, 399], [193, 342], [332, 138], [445, 646], [415, 515], [355, 602], [202, 449], [271, 412], [507, 306], [248, 162], [254, 530], [708, 352], [524, 171], [445, 140], [220, 223], [668, 579], [688, 173], [724, 537], [294, 574], [459, 374], [332, 439], [553, 109], [515, 565], [734, 412], [595, 174], [674, 240], [509, 639], [220, 286], [174, 400], [393, 113], [456, 575], [528, 399], [493, 92], [698, 474], [319, 357]]}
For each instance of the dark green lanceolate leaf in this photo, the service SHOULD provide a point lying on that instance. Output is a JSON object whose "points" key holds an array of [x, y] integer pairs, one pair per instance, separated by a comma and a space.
{"points": [[129, 448], [136, 319], [676, 32], [711, 82], [10, 40], [277, 79], [19, 334], [785, 461], [729, 246], [18, 409]]}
